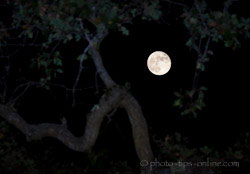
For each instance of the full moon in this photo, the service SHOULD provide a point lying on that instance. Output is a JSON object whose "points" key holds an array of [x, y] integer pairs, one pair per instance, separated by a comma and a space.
{"points": [[159, 63]]}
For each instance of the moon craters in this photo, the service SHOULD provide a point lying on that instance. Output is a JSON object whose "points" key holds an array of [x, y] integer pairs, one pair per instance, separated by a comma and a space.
{"points": [[159, 63]]}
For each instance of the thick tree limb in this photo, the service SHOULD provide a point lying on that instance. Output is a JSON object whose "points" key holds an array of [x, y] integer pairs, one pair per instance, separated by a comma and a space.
{"points": [[108, 81], [116, 96], [139, 127], [107, 102], [133, 109]]}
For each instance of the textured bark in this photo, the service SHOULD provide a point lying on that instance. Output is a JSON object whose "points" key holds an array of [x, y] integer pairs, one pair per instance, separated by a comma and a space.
{"points": [[133, 109], [108, 81], [94, 119], [139, 127], [116, 96]]}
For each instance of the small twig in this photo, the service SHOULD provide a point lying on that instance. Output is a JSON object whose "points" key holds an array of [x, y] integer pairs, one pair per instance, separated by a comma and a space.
{"points": [[30, 83], [195, 81], [111, 114], [85, 34], [200, 42], [82, 58], [201, 55], [201, 16], [21, 45], [26, 85], [196, 48], [54, 48], [79, 74], [206, 49], [201, 59], [177, 3]]}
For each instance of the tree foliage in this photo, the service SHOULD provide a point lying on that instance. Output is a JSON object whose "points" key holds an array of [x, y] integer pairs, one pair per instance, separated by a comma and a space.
{"points": [[56, 22], [45, 25], [205, 27]]}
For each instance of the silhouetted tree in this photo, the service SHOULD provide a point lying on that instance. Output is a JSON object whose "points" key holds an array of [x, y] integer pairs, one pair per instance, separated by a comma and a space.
{"points": [[46, 25]]}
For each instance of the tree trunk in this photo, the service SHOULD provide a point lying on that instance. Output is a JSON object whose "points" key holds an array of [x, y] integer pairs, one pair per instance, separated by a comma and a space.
{"points": [[116, 96]]}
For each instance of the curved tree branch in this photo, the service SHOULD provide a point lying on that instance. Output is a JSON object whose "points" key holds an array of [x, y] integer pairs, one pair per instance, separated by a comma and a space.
{"points": [[116, 96], [108, 81], [132, 107], [139, 127], [94, 119]]}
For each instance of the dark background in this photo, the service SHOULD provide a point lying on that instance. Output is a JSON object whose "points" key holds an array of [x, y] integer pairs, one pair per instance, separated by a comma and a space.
{"points": [[220, 124]]}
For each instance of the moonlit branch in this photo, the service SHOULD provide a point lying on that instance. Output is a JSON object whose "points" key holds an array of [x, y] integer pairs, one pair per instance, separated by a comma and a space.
{"points": [[94, 119], [79, 73]]}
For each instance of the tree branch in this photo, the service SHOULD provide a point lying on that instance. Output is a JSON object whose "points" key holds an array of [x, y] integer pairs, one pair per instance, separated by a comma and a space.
{"points": [[79, 74], [176, 3], [94, 119], [116, 96], [108, 81], [139, 127], [132, 107]]}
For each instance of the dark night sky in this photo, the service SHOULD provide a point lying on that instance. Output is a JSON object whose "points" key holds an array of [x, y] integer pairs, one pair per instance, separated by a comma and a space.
{"points": [[226, 77]]}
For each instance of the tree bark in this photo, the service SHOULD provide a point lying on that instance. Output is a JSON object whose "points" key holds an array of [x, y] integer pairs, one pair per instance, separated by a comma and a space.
{"points": [[94, 119], [139, 127], [116, 96], [133, 109]]}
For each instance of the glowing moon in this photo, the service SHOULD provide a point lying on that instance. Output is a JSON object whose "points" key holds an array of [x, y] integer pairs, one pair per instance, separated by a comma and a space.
{"points": [[159, 63]]}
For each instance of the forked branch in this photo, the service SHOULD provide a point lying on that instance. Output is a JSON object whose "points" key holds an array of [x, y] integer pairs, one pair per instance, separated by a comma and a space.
{"points": [[133, 109], [115, 96]]}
